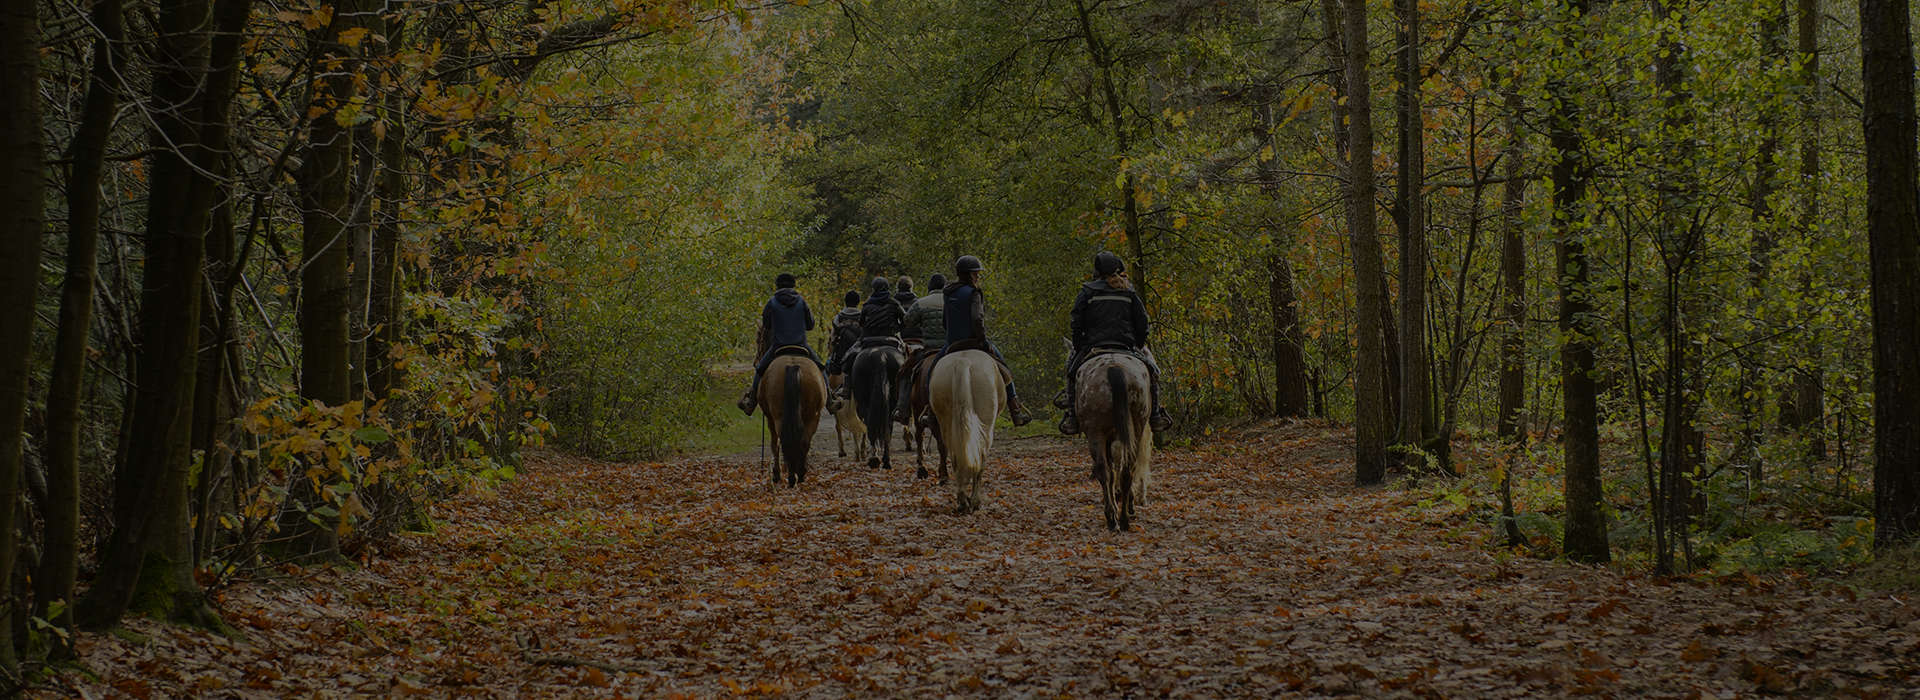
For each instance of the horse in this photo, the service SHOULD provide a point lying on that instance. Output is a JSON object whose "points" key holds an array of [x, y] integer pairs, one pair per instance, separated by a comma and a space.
{"points": [[872, 377], [920, 420], [792, 395], [1111, 400], [847, 420], [966, 390]]}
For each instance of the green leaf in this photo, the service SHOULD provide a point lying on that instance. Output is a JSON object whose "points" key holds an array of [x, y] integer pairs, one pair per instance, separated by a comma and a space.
{"points": [[371, 433]]}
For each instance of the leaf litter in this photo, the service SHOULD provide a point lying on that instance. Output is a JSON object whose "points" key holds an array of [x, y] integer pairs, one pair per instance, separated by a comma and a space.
{"points": [[1255, 570]]}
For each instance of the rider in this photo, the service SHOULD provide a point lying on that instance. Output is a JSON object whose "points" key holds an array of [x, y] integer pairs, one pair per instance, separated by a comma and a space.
{"points": [[966, 319], [1109, 313], [925, 316], [784, 323], [904, 293], [929, 314], [879, 323], [842, 334]]}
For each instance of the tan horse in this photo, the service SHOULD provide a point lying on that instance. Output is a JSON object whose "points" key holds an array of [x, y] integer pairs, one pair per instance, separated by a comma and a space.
{"points": [[967, 388], [846, 423], [1111, 400], [792, 395]]}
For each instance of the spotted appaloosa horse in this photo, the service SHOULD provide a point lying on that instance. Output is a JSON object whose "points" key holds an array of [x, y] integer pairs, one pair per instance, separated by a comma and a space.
{"points": [[966, 390], [792, 395], [1111, 399]]}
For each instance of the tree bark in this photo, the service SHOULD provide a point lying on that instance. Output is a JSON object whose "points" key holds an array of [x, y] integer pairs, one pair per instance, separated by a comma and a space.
{"points": [[1510, 424], [326, 179], [22, 226], [1804, 407], [1413, 406], [195, 70], [1749, 395], [1893, 239], [1585, 539], [1373, 418], [1097, 51], [1289, 360], [59, 561]]}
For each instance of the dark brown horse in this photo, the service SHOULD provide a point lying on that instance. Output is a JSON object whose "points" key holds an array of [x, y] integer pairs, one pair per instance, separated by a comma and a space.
{"points": [[920, 415], [792, 396]]}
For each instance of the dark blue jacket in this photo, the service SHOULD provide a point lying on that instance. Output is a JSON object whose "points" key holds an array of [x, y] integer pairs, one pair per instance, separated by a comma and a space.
{"points": [[786, 319], [966, 313]]}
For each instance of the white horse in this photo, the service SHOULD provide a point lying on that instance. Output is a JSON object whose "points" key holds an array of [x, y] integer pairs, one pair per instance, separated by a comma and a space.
{"points": [[965, 393], [1111, 399]]}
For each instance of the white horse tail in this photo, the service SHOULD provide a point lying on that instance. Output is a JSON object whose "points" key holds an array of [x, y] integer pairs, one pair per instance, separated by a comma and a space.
{"points": [[972, 455]]}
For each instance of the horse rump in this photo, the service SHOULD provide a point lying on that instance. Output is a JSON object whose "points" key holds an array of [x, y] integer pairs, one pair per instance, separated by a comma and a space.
{"points": [[793, 440]]}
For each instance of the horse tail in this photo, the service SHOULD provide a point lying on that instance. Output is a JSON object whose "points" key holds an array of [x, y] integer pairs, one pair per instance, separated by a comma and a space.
{"points": [[973, 448], [1122, 415], [876, 413], [793, 444]]}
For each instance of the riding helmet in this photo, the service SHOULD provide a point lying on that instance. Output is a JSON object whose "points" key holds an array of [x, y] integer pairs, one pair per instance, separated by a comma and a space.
{"points": [[784, 281], [853, 297], [1107, 264], [966, 264], [879, 285], [938, 282]]}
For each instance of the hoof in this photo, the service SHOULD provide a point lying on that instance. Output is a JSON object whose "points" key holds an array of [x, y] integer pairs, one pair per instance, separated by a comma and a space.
{"points": [[873, 462], [922, 474], [887, 466]]}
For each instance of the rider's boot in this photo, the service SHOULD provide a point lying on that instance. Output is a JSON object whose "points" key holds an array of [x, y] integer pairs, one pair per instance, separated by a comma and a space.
{"points": [[1062, 401], [747, 402], [1021, 416], [900, 413], [1070, 425], [1160, 419]]}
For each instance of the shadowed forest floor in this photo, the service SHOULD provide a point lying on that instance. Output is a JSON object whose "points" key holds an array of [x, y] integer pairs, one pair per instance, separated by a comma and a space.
{"points": [[1256, 570]]}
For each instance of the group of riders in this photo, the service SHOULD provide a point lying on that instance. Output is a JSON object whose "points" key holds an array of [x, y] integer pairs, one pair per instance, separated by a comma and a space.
{"points": [[1108, 315]]}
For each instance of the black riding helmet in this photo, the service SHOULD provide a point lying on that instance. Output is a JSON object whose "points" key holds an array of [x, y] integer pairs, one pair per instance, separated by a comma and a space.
{"points": [[1107, 264], [938, 282], [880, 285], [853, 297], [966, 264]]}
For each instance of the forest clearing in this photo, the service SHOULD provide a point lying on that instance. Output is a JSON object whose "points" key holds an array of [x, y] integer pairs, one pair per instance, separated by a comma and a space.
{"points": [[1256, 572]]}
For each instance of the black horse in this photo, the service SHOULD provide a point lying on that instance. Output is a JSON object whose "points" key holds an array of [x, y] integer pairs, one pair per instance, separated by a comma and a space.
{"points": [[872, 378]]}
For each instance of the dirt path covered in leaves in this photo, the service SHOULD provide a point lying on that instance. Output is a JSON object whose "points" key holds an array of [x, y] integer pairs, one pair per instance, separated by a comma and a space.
{"points": [[1256, 571]]}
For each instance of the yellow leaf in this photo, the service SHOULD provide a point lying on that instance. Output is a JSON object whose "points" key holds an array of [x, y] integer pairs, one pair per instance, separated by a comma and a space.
{"points": [[354, 36]]}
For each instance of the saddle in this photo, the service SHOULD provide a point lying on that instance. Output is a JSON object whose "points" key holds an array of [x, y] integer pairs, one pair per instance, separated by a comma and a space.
{"points": [[874, 341], [789, 350]]}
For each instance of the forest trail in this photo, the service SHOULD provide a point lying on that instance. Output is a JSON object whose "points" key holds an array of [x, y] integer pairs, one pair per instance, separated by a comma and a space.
{"points": [[1256, 571]]}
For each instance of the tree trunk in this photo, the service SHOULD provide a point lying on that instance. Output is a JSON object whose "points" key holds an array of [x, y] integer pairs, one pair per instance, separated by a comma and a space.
{"points": [[1510, 425], [1749, 394], [1372, 420], [60, 559], [1413, 409], [1102, 58], [1586, 526], [195, 71], [326, 178], [1289, 360], [1804, 409], [23, 185], [1893, 238]]}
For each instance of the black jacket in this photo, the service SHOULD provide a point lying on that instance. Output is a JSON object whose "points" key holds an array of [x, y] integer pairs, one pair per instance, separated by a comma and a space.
{"points": [[906, 299], [881, 315], [1103, 315]]}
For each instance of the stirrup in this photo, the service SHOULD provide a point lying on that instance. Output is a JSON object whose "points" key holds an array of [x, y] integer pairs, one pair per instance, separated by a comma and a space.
{"points": [[1069, 425], [1160, 420], [1021, 416], [1062, 401]]}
